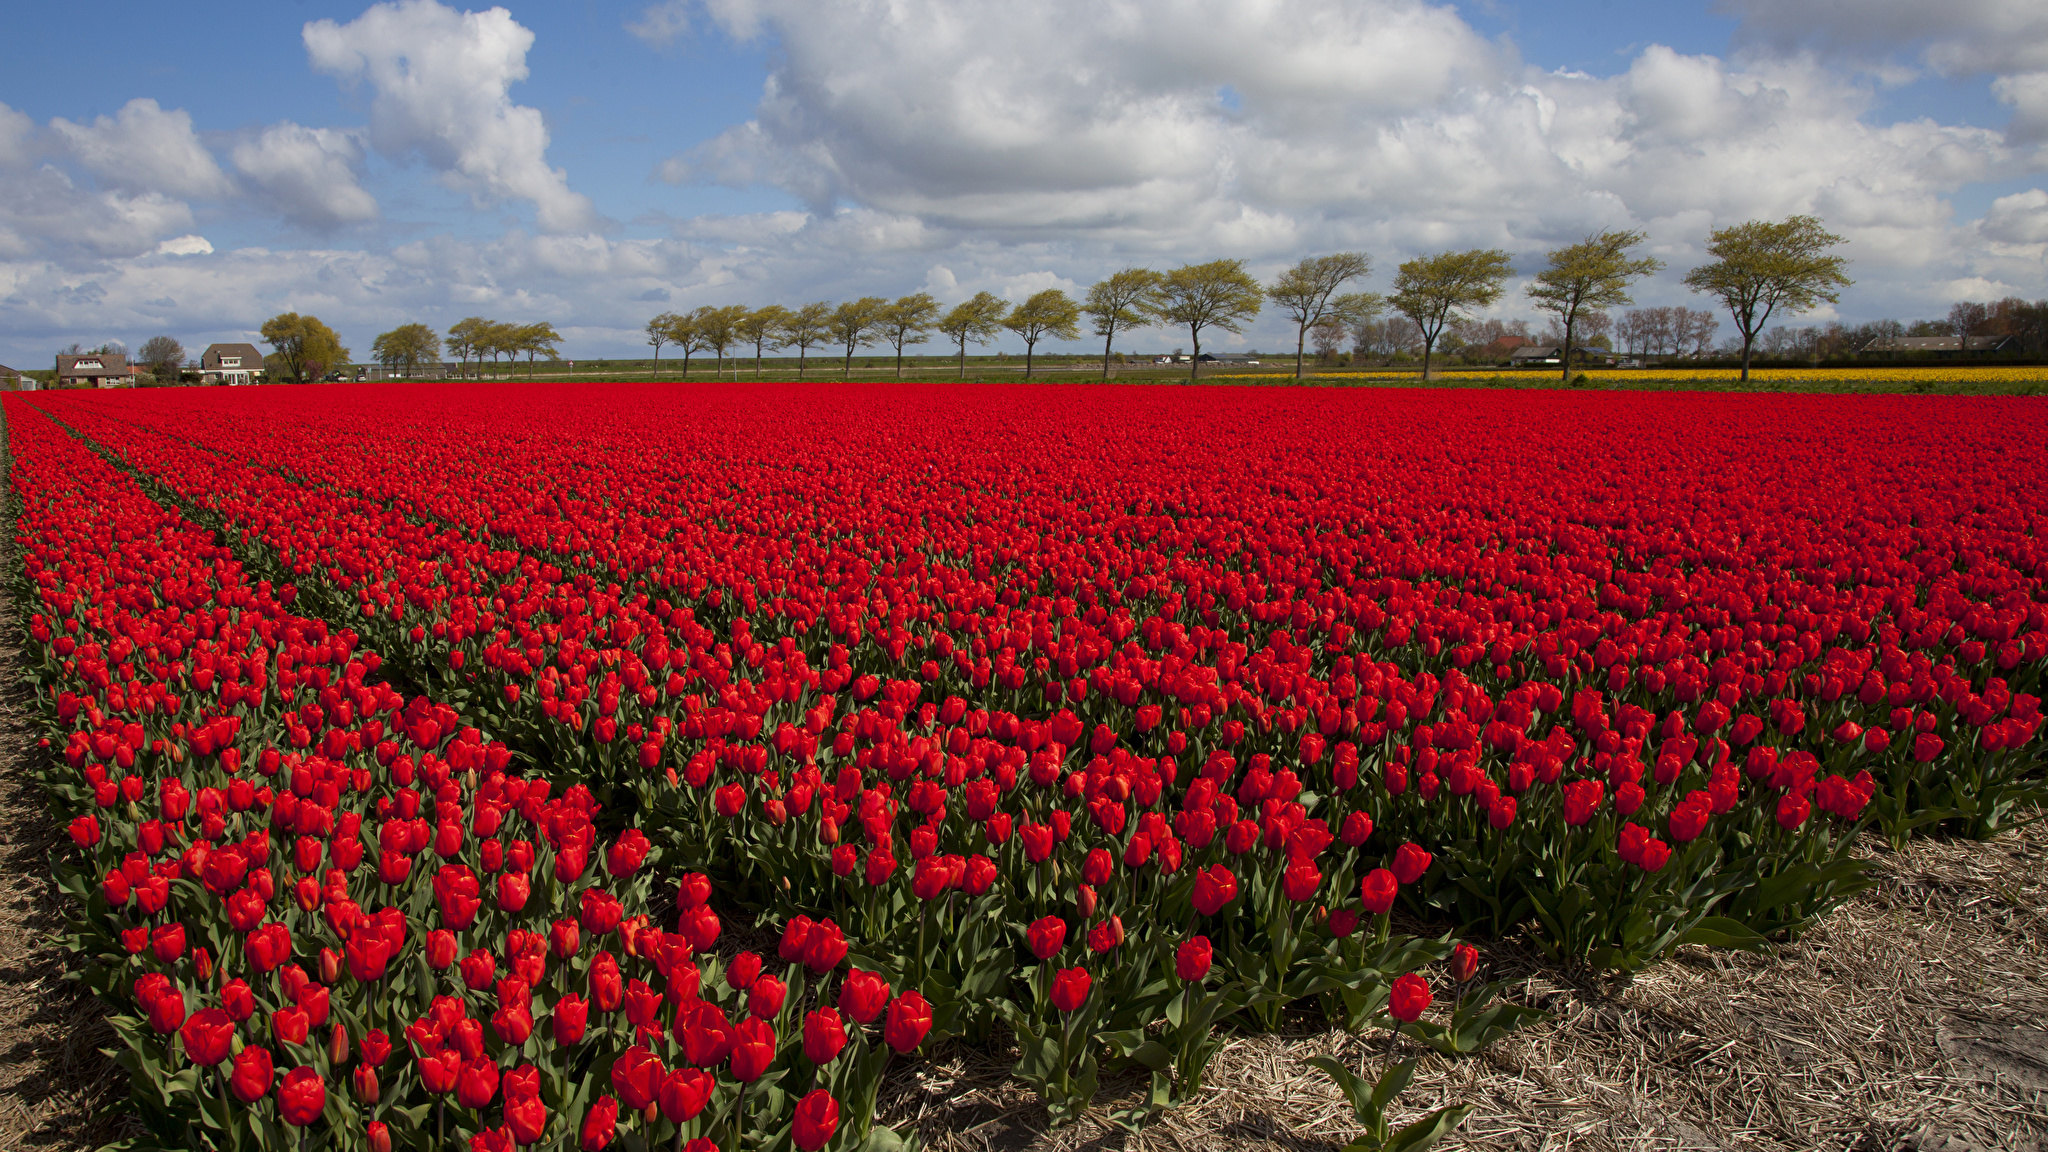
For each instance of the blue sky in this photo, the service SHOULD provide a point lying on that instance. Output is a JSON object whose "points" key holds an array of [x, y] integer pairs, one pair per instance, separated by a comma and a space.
{"points": [[593, 163]]}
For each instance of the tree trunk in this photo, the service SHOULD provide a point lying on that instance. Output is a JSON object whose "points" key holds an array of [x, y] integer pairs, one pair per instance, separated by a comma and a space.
{"points": [[1028, 344], [657, 362], [846, 373], [1300, 338], [963, 357], [899, 361], [1428, 348], [1194, 361], [1571, 320], [801, 349], [1746, 341], [1108, 338]]}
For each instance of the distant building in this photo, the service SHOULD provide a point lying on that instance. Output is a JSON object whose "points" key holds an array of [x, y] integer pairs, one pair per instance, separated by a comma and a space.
{"points": [[232, 364], [1529, 354], [1939, 347], [1502, 348], [95, 370], [14, 381], [433, 370]]}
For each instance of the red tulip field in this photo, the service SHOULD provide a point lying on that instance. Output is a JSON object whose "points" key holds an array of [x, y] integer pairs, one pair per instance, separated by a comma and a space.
{"points": [[652, 766]]}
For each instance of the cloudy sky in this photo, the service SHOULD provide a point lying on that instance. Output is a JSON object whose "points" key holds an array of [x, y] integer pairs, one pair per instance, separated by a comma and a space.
{"points": [[194, 168]]}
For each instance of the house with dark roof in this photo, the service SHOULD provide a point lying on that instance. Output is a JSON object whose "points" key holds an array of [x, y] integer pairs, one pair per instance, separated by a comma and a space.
{"points": [[14, 381], [1536, 354], [231, 364], [95, 370]]}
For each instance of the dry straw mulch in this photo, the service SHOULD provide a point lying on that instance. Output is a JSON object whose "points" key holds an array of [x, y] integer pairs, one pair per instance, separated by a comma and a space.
{"points": [[1913, 1018]]}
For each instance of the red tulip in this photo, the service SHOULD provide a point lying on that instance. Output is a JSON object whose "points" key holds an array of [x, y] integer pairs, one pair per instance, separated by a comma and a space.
{"points": [[637, 1077], [909, 1019], [816, 1120], [1410, 862], [753, 1049], [1464, 963], [477, 1083], [1070, 989], [1191, 960], [1046, 936], [1215, 888], [1408, 998], [863, 996], [207, 1035], [824, 1036], [684, 1092], [600, 1125], [302, 1097], [1378, 891]]}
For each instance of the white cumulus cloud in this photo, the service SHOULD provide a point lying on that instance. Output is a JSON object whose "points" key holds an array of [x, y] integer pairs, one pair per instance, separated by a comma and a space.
{"points": [[310, 175], [441, 83], [145, 147]]}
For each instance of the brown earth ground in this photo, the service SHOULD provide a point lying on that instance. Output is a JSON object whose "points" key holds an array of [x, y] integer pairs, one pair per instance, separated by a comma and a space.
{"points": [[1913, 1019]]}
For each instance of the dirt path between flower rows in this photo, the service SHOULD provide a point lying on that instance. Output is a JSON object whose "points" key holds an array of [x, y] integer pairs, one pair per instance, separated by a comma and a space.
{"points": [[57, 1090]]}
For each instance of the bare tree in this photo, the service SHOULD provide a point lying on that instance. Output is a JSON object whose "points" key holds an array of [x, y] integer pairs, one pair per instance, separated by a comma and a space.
{"points": [[1966, 318], [163, 356]]}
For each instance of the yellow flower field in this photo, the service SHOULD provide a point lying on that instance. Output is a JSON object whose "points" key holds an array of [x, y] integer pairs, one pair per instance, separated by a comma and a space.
{"points": [[1915, 377]]}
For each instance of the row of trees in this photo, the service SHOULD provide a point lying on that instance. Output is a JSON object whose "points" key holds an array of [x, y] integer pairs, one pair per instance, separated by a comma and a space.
{"points": [[1760, 269], [1215, 296]]}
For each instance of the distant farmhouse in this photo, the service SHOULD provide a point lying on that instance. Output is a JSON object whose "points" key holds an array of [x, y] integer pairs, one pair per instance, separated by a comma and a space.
{"points": [[1939, 347], [231, 364], [95, 370], [14, 381], [1554, 354]]}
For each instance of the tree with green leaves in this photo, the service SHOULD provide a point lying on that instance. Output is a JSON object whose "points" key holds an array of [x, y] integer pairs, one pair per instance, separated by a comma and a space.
{"points": [[1435, 291], [1307, 292], [761, 327], [658, 330], [908, 320], [1218, 294], [1127, 299], [304, 345], [463, 341], [407, 347], [717, 329], [1051, 313], [534, 339], [1760, 268], [806, 328], [855, 324], [978, 320], [685, 332], [1590, 276]]}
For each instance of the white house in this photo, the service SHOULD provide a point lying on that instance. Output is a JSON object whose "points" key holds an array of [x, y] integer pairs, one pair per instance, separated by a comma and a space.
{"points": [[231, 364]]}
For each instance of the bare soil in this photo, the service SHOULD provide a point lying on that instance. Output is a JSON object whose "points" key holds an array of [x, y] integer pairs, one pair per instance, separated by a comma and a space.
{"points": [[1913, 1019]]}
